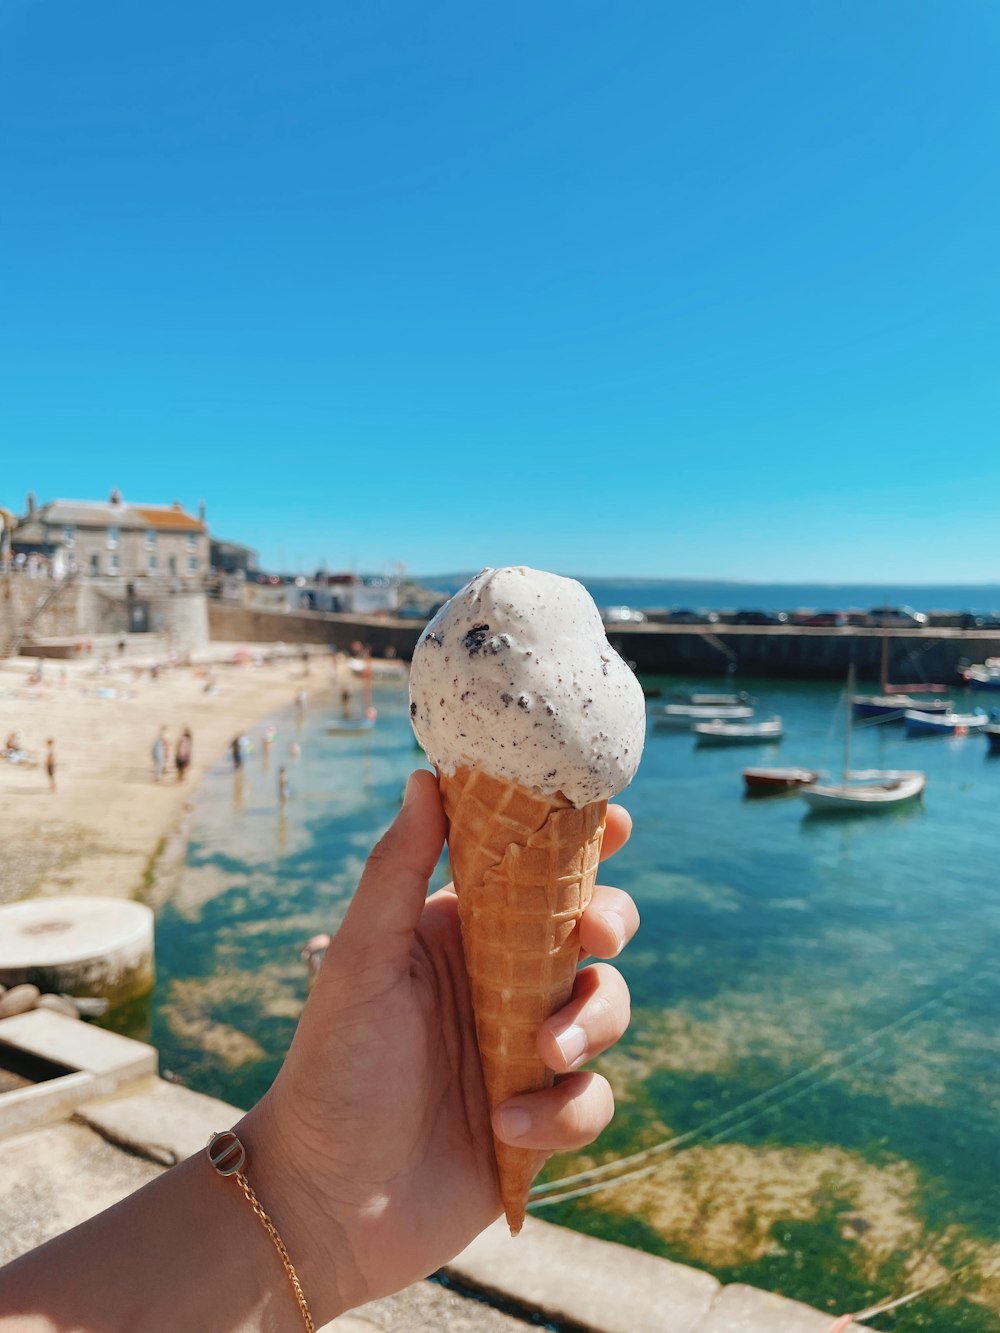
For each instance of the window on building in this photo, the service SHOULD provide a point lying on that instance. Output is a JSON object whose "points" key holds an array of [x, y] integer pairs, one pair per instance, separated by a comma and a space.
{"points": [[172, 564], [150, 538], [151, 564], [113, 562], [112, 538], [191, 539], [192, 564], [69, 532], [95, 563]]}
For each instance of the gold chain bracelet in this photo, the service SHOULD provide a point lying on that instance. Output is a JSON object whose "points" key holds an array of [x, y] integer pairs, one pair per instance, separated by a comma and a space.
{"points": [[228, 1157]]}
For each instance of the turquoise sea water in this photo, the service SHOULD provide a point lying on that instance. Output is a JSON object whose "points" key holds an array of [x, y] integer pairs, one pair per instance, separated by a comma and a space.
{"points": [[719, 595], [815, 1001]]}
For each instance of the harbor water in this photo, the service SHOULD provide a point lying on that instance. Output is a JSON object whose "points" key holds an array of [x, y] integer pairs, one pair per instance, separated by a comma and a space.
{"points": [[808, 1096]]}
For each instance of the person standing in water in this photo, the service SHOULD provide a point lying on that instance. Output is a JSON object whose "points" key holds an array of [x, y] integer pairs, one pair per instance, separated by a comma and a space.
{"points": [[282, 785], [182, 753], [160, 749], [50, 762]]}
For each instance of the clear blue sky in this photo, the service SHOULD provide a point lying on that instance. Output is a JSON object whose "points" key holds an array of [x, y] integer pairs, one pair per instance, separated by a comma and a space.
{"points": [[653, 288]]}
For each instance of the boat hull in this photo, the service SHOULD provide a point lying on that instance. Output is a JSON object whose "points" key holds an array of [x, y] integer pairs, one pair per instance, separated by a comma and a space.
{"points": [[919, 723], [864, 798], [737, 733], [774, 781]]}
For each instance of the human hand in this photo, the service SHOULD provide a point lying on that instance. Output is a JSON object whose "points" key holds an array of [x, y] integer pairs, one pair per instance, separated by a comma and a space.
{"points": [[374, 1147]]}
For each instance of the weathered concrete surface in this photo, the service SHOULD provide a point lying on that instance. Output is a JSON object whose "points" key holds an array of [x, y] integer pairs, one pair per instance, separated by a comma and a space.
{"points": [[161, 1121], [581, 1280], [53, 1178], [741, 1309], [78, 946]]}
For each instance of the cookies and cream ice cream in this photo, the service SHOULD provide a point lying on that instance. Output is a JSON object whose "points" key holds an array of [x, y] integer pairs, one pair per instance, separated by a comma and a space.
{"points": [[515, 676]]}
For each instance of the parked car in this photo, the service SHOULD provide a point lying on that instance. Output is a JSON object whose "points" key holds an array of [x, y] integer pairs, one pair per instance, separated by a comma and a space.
{"points": [[834, 619], [896, 617], [973, 620], [688, 617], [758, 618], [622, 615]]}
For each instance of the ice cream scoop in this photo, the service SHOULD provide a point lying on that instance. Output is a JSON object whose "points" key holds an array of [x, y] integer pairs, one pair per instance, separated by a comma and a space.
{"points": [[532, 721], [515, 676]]}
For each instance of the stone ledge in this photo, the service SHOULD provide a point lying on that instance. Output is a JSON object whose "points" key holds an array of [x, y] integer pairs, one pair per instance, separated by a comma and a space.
{"points": [[581, 1280], [160, 1121], [742, 1309]]}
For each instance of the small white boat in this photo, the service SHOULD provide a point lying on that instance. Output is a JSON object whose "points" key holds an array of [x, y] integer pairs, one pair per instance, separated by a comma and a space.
{"points": [[868, 791], [775, 781], [738, 733], [920, 723], [717, 700], [682, 717]]}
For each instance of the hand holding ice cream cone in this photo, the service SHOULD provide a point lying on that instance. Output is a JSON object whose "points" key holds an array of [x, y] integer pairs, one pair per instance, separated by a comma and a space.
{"points": [[533, 722]]}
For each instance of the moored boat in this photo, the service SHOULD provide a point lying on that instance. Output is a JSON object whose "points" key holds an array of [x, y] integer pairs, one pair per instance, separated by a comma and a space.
{"points": [[773, 781], [682, 717], [921, 723], [738, 733], [992, 734], [891, 707], [864, 792]]}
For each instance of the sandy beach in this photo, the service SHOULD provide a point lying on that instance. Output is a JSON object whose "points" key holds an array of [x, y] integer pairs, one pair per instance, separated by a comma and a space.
{"points": [[102, 828]]}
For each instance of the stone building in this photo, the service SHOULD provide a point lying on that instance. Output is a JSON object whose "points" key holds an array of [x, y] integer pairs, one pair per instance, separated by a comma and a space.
{"points": [[112, 539]]}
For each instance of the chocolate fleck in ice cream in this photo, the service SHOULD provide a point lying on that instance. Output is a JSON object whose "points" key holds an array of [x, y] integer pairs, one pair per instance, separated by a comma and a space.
{"points": [[532, 721]]}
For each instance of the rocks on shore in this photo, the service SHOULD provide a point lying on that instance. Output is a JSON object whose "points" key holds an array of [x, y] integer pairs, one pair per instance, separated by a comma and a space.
{"points": [[20, 999]]}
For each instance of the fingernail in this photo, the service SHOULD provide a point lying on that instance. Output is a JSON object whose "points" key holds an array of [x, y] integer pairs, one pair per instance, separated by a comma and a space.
{"points": [[617, 926], [572, 1042], [515, 1122]]}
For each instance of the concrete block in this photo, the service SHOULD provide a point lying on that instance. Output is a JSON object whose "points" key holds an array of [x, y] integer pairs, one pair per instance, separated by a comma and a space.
{"points": [[742, 1309], [580, 1279], [110, 1058], [158, 1120]]}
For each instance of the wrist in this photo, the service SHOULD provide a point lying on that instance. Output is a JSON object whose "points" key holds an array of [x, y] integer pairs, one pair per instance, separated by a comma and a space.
{"points": [[282, 1172]]}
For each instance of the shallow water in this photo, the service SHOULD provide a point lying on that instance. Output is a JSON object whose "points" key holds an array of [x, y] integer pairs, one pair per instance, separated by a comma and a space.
{"points": [[815, 1001]]}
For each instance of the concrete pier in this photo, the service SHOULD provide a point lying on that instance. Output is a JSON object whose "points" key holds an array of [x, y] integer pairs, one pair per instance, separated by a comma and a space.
{"points": [[78, 946], [932, 654]]}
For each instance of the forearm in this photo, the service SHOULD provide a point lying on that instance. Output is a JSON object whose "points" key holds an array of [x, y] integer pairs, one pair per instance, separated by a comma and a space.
{"points": [[186, 1252]]}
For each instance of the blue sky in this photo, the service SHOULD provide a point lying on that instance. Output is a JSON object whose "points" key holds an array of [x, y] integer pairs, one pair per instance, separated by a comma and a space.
{"points": [[653, 289]]}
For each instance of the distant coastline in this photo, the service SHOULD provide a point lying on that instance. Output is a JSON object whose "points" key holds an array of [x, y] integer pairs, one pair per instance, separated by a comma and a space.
{"points": [[730, 594]]}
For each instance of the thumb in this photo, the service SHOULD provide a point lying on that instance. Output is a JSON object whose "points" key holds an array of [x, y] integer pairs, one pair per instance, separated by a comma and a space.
{"points": [[390, 896]]}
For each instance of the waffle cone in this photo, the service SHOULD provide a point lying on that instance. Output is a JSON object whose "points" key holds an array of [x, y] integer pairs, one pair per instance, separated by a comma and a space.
{"points": [[524, 867]]}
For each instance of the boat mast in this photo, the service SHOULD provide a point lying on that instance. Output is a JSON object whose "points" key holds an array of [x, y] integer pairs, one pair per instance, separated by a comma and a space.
{"points": [[847, 727], [885, 649]]}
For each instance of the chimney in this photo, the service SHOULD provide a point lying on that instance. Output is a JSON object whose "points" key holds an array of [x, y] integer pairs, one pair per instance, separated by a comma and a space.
{"points": [[115, 497], [201, 512], [31, 504]]}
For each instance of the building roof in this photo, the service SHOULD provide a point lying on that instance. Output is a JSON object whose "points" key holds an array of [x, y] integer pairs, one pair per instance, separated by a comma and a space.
{"points": [[110, 513], [168, 517]]}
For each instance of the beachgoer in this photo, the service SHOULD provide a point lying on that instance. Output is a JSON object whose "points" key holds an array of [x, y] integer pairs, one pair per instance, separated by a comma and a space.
{"points": [[368, 1192], [294, 751], [237, 752], [160, 754], [282, 786], [182, 753], [50, 763]]}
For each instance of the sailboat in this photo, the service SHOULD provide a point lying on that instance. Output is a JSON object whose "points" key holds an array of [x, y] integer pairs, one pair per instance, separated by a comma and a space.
{"points": [[893, 700], [865, 789]]}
